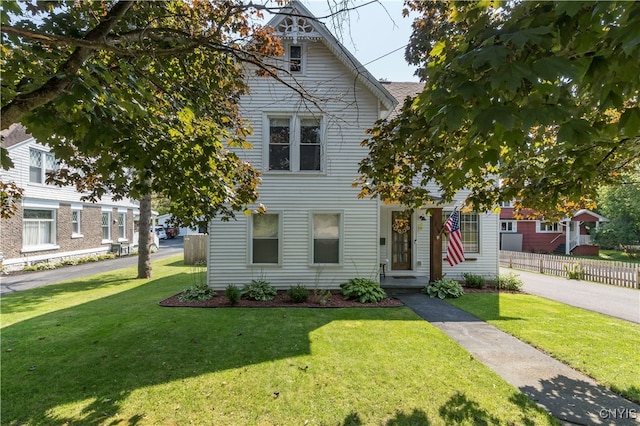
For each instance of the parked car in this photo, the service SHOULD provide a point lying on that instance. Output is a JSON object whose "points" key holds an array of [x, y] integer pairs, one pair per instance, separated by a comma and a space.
{"points": [[160, 232], [172, 232]]}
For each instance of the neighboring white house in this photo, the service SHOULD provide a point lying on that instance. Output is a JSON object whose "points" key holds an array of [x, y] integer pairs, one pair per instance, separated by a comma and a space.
{"points": [[317, 231], [52, 223]]}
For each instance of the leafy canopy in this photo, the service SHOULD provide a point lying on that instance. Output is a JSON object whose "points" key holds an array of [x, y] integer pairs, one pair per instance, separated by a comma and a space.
{"points": [[524, 100], [138, 97]]}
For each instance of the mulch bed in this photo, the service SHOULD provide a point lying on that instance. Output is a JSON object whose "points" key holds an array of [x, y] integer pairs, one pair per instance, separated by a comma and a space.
{"points": [[283, 301], [280, 301]]}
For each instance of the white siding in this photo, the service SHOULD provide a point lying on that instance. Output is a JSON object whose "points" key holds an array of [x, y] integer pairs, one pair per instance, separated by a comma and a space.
{"points": [[348, 110], [19, 174]]}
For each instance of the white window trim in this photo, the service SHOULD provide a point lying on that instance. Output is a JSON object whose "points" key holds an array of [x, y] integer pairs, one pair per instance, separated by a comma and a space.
{"points": [[124, 225], [54, 236], [280, 241], [110, 213], [445, 217], [539, 229], [79, 233], [514, 227], [43, 168], [303, 58], [295, 120], [341, 236]]}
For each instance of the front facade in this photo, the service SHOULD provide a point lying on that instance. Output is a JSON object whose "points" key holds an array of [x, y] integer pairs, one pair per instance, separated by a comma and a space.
{"points": [[316, 231], [52, 223], [567, 236]]}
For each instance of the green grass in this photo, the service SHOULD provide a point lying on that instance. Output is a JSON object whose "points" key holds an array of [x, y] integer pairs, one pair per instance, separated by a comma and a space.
{"points": [[612, 255], [101, 351], [600, 346]]}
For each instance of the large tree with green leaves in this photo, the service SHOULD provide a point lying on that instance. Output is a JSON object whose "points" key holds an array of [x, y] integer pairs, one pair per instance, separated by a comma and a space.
{"points": [[524, 100], [621, 205], [137, 98]]}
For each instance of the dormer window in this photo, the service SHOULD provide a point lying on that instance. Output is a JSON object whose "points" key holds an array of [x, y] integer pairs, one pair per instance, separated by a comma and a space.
{"points": [[295, 58]]}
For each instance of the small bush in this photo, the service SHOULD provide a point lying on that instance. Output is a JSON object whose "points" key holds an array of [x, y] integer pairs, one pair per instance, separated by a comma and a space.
{"points": [[233, 293], [70, 262], [259, 290], [29, 268], [322, 296], [197, 293], [45, 266], [363, 290], [444, 288], [474, 281], [510, 281], [575, 272], [298, 293]]}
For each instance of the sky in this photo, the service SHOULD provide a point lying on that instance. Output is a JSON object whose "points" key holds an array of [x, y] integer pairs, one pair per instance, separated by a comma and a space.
{"points": [[376, 30]]}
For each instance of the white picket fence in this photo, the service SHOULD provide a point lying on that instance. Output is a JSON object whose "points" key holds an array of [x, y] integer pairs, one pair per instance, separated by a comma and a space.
{"points": [[623, 274]]}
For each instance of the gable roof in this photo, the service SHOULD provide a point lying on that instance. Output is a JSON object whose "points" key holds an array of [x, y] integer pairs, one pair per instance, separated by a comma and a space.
{"points": [[401, 91], [13, 135], [295, 22]]}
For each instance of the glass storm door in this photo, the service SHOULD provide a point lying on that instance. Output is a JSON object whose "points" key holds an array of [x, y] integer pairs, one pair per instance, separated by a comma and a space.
{"points": [[400, 241]]}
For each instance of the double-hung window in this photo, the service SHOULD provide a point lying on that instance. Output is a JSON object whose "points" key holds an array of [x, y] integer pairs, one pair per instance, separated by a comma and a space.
{"points": [[39, 227], [508, 226], [122, 226], [295, 58], [76, 216], [548, 227], [469, 231], [40, 163], [295, 143], [106, 226], [266, 234], [326, 236]]}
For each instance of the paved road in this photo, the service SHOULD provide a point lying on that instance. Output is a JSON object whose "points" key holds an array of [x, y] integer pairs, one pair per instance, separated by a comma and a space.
{"points": [[619, 302], [12, 283]]}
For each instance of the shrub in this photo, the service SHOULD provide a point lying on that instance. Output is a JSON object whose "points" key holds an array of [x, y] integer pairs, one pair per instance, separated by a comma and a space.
{"points": [[575, 272], [444, 288], [474, 281], [233, 293], [298, 293], [197, 293], [510, 281], [322, 296], [363, 290], [259, 290]]}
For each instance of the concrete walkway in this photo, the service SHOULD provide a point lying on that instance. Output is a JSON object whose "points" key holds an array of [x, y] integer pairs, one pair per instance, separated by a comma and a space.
{"points": [[619, 302], [568, 395]]}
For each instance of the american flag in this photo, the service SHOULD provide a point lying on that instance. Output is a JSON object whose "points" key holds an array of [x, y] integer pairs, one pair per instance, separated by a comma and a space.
{"points": [[455, 251]]}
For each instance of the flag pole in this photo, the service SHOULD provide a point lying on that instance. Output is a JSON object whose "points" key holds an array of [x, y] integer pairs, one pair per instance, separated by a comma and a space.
{"points": [[450, 214]]}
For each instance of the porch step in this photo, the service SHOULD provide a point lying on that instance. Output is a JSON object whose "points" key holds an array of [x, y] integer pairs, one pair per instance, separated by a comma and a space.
{"points": [[560, 249], [392, 291]]}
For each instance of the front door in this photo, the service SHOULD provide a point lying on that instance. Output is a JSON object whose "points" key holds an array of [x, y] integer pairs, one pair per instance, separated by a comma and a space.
{"points": [[400, 241]]}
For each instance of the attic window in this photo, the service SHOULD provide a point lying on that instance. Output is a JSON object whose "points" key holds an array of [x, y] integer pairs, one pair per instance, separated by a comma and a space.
{"points": [[295, 58]]}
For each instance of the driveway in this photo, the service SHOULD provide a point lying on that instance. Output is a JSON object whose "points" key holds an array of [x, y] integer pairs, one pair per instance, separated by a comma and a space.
{"points": [[12, 283], [619, 302]]}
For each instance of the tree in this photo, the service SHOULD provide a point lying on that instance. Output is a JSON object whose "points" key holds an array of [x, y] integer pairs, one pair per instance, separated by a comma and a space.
{"points": [[528, 101], [138, 98], [621, 205]]}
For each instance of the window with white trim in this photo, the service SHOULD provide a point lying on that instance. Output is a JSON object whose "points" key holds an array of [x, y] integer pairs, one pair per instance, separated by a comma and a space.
{"points": [[40, 163], [469, 232], [295, 58], [76, 216], [106, 226], [39, 227], [122, 226], [508, 226], [547, 227], [295, 143], [326, 235], [266, 234]]}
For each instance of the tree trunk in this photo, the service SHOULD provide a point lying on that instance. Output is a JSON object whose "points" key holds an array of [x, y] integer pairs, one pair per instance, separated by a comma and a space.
{"points": [[144, 236]]}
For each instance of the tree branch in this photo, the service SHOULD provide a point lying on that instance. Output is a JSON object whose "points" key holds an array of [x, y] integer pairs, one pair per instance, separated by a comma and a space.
{"points": [[25, 102]]}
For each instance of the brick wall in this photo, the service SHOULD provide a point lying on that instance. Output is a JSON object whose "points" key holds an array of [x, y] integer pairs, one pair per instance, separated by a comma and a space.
{"points": [[11, 235]]}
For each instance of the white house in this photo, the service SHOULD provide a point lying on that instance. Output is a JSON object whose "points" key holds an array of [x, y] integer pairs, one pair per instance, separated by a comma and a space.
{"points": [[316, 230], [52, 223]]}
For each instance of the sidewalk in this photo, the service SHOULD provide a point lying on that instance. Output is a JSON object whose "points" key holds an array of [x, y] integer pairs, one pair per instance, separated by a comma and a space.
{"points": [[568, 395]]}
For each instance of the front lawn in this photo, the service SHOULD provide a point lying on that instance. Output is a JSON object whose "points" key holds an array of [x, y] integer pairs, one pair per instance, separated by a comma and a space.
{"points": [[101, 351], [600, 346]]}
